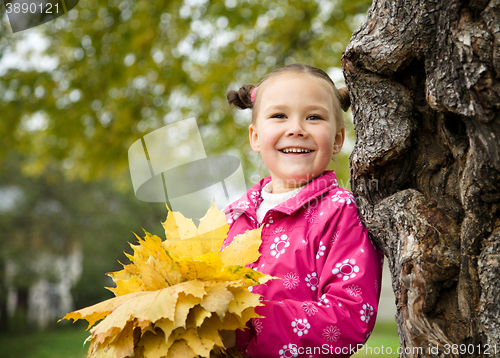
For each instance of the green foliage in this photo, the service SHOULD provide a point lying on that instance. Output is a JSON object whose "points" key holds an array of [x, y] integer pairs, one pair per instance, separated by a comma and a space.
{"points": [[126, 68]]}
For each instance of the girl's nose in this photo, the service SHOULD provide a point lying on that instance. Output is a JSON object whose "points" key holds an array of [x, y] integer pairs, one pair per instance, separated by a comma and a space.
{"points": [[296, 129]]}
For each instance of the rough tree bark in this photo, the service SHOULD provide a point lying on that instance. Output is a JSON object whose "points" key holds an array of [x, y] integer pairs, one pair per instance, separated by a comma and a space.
{"points": [[424, 81]]}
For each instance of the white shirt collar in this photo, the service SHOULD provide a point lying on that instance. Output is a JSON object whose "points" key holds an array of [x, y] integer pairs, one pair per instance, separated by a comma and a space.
{"points": [[276, 199]]}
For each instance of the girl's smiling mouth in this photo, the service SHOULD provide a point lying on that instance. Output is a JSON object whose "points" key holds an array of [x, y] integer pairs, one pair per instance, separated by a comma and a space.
{"points": [[295, 150]]}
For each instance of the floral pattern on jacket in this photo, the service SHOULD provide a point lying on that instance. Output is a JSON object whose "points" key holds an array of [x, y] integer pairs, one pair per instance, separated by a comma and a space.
{"points": [[326, 300]]}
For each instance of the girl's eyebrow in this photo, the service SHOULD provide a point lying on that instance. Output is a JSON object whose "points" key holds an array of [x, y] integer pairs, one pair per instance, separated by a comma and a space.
{"points": [[307, 108], [316, 108], [277, 108]]}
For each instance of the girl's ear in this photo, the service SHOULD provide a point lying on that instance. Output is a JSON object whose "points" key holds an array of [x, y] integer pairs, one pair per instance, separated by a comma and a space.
{"points": [[254, 138], [339, 140]]}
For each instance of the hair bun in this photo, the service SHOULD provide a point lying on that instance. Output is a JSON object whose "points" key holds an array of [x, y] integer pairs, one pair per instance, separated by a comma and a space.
{"points": [[345, 100], [241, 98]]}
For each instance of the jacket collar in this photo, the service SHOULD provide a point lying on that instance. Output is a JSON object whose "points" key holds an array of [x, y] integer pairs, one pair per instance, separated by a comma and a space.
{"points": [[251, 200]]}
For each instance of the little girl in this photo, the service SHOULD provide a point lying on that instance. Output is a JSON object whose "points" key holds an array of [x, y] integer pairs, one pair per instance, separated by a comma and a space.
{"points": [[325, 302]]}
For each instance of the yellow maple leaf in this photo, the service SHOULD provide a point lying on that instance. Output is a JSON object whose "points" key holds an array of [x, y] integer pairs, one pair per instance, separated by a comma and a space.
{"points": [[184, 239], [243, 250], [178, 227], [177, 294]]}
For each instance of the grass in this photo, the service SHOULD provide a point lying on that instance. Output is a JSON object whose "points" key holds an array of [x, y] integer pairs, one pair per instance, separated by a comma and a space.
{"points": [[67, 342], [383, 342], [63, 342]]}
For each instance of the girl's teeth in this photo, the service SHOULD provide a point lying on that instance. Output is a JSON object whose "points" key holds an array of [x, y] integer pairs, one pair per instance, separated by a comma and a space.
{"points": [[294, 150]]}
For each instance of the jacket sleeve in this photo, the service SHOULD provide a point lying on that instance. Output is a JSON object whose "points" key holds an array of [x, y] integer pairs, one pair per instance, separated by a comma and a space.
{"points": [[343, 313]]}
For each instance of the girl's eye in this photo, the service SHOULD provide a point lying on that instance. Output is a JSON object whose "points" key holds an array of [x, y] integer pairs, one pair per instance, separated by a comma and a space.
{"points": [[278, 115], [314, 117]]}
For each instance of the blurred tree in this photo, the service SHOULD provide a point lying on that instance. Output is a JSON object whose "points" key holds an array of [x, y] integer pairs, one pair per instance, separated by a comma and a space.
{"points": [[125, 68], [121, 69], [48, 215]]}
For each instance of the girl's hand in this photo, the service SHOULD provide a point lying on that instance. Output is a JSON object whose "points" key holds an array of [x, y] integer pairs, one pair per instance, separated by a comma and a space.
{"points": [[228, 338]]}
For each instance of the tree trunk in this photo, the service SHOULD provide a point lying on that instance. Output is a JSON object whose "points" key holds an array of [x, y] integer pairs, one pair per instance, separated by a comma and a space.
{"points": [[4, 319], [424, 81]]}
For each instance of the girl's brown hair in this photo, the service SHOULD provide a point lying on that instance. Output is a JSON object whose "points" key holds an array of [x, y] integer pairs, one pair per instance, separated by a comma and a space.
{"points": [[242, 98]]}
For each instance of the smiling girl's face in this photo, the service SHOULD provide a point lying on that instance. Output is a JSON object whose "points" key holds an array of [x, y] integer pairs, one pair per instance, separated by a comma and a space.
{"points": [[296, 112]]}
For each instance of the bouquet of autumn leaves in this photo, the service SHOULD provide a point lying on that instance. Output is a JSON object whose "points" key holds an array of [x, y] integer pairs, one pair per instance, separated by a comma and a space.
{"points": [[177, 294]]}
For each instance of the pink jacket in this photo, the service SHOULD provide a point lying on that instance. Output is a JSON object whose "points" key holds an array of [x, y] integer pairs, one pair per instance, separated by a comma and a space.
{"points": [[326, 300]]}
